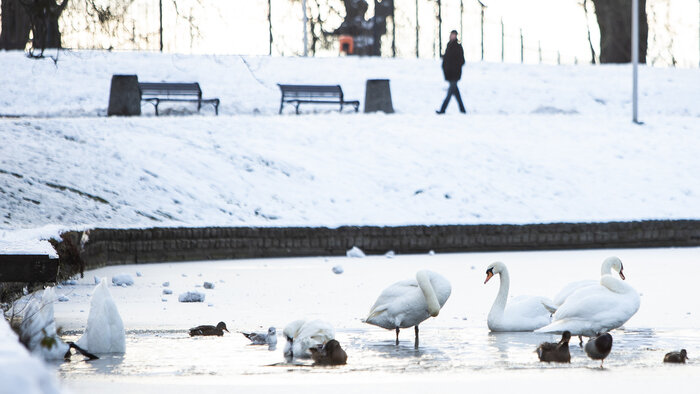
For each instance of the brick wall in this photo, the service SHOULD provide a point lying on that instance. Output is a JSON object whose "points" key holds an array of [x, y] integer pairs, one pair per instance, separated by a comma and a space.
{"points": [[111, 246]]}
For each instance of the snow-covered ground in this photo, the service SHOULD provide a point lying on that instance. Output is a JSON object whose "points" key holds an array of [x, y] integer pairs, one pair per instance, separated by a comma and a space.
{"points": [[541, 144], [457, 351]]}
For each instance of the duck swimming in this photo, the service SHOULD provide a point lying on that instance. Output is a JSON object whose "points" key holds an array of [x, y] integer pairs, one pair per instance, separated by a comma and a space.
{"points": [[330, 354], [557, 352], [209, 330], [676, 357]]}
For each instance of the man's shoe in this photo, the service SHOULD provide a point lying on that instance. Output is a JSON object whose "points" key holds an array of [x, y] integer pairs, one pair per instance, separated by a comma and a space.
{"points": [[439, 112]]}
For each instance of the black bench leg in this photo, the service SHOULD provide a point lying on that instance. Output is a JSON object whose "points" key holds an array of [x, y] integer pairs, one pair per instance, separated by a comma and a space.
{"points": [[216, 108], [356, 107], [156, 105], [281, 106], [297, 107], [341, 107]]}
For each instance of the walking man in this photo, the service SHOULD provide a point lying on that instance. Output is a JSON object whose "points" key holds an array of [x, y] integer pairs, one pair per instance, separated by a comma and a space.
{"points": [[452, 62]]}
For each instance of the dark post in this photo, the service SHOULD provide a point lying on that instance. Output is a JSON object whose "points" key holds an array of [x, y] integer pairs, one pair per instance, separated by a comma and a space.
{"points": [[417, 30], [482, 29], [160, 18], [378, 96], [124, 96], [461, 17], [269, 24], [522, 56], [439, 4], [503, 47], [393, 30]]}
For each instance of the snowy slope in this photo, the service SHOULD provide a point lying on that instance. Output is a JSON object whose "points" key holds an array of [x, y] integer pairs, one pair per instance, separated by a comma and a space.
{"points": [[501, 164]]}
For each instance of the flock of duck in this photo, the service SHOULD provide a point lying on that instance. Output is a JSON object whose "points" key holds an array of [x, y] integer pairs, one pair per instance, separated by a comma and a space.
{"points": [[588, 308]]}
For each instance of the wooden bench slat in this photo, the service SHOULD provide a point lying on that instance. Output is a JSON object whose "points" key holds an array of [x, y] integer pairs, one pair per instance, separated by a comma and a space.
{"points": [[317, 94], [156, 92]]}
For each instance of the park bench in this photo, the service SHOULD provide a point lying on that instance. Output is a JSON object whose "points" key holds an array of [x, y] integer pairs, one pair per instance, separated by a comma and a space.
{"points": [[317, 94], [27, 268], [157, 92]]}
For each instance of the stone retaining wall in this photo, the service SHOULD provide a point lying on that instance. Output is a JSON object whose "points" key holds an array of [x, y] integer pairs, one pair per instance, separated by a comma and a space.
{"points": [[111, 246]]}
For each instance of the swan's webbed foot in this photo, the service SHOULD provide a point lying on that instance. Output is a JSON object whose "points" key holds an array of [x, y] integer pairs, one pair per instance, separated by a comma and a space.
{"points": [[397, 336], [580, 339], [416, 344]]}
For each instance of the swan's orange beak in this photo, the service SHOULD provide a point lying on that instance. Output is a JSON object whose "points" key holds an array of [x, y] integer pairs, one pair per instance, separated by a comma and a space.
{"points": [[622, 276], [489, 275]]}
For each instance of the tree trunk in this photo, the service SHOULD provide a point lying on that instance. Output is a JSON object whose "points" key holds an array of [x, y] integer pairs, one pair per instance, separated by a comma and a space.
{"points": [[615, 23], [14, 32]]}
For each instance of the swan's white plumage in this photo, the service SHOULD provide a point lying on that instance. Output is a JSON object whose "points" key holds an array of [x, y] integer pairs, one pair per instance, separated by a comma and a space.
{"points": [[404, 303], [105, 330], [306, 334], [594, 310], [38, 324], [522, 313], [606, 268]]}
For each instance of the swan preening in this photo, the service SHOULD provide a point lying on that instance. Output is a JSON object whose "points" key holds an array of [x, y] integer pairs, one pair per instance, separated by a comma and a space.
{"points": [[523, 313], [409, 302], [105, 330], [302, 335], [596, 308]]}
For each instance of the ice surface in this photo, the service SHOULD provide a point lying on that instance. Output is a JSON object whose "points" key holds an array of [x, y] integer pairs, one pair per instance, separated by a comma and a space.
{"points": [[191, 296], [104, 332], [355, 252], [122, 279]]}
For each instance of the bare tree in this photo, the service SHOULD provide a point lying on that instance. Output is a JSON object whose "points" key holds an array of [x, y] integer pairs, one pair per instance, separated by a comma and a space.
{"points": [[588, 30], [615, 23], [14, 33]]}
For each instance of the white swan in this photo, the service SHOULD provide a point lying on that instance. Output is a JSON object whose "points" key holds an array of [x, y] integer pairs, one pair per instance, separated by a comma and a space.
{"points": [[38, 328], [523, 313], [609, 264], [302, 335], [409, 302], [105, 330], [593, 310]]}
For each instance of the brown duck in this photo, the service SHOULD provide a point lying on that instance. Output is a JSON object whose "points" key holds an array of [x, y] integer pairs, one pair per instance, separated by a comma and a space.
{"points": [[676, 357], [557, 352], [330, 354], [209, 330]]}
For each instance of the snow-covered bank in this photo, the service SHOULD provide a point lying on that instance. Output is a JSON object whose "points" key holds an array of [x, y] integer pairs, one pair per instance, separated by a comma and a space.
{"points": [[337, 169], [79, 84], [19, 371]]}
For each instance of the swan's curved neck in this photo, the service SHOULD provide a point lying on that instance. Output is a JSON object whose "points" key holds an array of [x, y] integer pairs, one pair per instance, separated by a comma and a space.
{"points": [[499, 304], [614, 285], [606, 268], [428, 292]]}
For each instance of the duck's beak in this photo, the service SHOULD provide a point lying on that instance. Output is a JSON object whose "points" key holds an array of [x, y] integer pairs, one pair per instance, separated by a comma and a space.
{"points": [[227, 331], [622, 276], [489, 275]]}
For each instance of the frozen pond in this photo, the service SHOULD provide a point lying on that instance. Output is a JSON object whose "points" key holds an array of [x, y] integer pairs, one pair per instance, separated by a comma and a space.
{"points": [[456, 347]]}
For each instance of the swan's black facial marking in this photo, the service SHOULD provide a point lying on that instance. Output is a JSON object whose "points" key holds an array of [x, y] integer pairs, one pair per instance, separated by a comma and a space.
{"points": [[622, 276], [489, 274]]}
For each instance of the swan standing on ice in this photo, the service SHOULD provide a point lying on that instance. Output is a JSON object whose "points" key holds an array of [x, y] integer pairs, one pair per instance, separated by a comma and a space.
{"points": [[523, 313], [302, 335], [409, 302], [609, 264], [597, 309]]}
